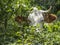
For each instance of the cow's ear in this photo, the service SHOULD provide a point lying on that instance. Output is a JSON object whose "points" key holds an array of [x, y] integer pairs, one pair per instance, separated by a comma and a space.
{"points": [[18, 19], [51, 17]]}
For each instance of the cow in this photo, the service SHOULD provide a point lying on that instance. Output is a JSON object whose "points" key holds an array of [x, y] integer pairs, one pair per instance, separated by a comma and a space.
{"points": [[37, 17]]}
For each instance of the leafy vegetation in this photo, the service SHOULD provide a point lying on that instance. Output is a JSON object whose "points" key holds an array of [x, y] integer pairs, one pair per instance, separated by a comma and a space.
{"points": [[13, 33]]}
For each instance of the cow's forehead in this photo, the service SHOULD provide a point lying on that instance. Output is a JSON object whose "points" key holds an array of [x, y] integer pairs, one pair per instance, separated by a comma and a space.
{"points": [[34, 8], [37, 15]]}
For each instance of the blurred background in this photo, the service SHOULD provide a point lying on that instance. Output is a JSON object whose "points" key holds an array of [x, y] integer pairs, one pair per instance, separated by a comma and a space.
{"points": [[14, 33]]}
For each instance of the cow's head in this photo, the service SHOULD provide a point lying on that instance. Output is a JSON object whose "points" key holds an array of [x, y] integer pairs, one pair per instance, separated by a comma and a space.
{"points": [[37, 16]]}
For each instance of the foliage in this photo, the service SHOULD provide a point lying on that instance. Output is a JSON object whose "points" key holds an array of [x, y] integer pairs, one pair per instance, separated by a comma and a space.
{"points": [[13, 33], [58, 13]]}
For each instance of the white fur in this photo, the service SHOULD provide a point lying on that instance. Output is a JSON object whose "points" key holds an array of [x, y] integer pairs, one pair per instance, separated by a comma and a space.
{"points": [[36, 17]]}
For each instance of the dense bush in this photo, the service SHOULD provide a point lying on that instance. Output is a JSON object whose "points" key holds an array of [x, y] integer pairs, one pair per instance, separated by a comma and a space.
{"points": [[14, 33], [18, 35], [58, 13]]}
